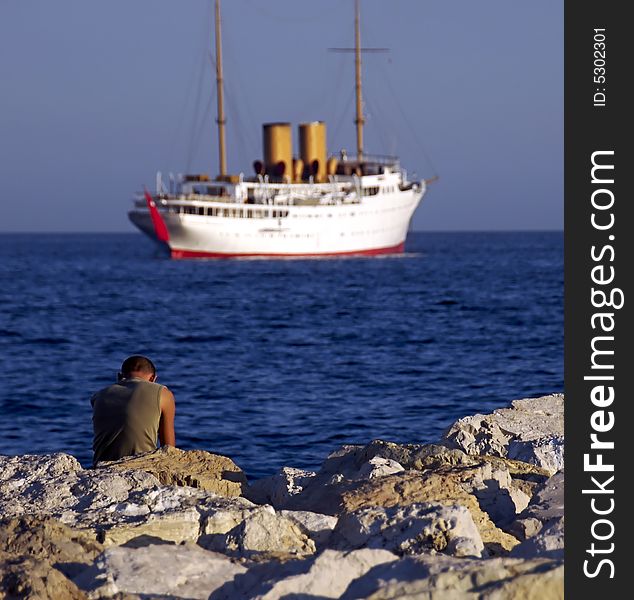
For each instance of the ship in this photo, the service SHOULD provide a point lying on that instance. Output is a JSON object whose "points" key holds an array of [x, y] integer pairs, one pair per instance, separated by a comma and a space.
{"points": [[312, 204]]}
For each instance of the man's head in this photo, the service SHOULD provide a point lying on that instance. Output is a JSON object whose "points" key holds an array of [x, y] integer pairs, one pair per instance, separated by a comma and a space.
{"points": [[139, 367]]}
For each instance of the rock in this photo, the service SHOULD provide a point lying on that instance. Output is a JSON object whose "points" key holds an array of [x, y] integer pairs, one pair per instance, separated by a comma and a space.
{"points": [[56, 485], [547, 542], [325, 576], [27, 578], [222, 519], [545, 509], [547, 452], [524, 476], [263, 531], [531, 429], [349, 460], [349, 468], [176, 514], [279, 488], [173, 526], [477, 436], [319, 527], [502, 502], [378, 467], [411, 529], [48, 540], [115, 505], [441, 577], [193, 468], [446, 488], [163, 570]]}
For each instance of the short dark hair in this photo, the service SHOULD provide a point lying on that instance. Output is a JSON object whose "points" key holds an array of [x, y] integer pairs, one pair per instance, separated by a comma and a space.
{"points": [[137, 363]]}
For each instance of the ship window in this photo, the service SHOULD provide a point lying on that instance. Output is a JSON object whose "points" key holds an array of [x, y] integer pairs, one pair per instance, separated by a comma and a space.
{"points": [[201, 210]]}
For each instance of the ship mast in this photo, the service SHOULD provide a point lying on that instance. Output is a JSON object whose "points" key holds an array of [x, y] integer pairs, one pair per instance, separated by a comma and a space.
{"points": [[220, 119], [357, 63]]}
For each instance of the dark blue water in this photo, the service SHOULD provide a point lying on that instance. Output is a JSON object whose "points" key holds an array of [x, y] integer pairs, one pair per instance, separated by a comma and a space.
{"points": [[278, 362]]}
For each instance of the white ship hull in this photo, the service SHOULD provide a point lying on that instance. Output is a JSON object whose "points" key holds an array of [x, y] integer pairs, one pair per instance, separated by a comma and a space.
{"points": [[376, 224]]}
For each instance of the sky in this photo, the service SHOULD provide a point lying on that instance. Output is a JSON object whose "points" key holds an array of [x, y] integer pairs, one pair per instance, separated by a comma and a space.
{"points": [[96, 97]]}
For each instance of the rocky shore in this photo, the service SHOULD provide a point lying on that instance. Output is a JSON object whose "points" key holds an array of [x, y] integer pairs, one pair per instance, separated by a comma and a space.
{"points": [[477, 515]]}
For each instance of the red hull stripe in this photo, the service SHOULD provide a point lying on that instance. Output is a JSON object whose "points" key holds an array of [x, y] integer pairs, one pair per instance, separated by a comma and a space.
{"points": [[159, 225], [176, 253]]}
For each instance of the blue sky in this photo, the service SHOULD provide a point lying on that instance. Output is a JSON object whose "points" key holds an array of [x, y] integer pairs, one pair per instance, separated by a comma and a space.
{"points": [[95, 97]]}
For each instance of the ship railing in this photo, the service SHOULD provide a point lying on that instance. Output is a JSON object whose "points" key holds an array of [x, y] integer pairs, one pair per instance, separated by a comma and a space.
{"points": [[333, 192], [386, 160]]}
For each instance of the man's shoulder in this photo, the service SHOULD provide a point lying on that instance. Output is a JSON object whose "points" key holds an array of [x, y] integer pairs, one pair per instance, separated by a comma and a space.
{"points": [[102, 392], [150, 384]]}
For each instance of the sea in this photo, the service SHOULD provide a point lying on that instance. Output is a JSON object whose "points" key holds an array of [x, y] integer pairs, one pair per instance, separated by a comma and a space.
{"points": [[277, 362]]}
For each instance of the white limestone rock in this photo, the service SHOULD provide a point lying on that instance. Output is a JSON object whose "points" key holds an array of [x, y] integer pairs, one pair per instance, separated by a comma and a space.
{"points": [[278, 489], [319, 527], [56, 485], [378, 467], [501, 500], [413, 529], [545, 510], [170, 513], [531, 430], [547, 542], [447, 578], [225, 518], [263, 531], [546, 452], [158, 570], [325, 576], [116, 506]]}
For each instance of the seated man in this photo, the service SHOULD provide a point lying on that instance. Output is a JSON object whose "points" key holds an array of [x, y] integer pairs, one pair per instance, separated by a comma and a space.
{"points": [[129, 415]]}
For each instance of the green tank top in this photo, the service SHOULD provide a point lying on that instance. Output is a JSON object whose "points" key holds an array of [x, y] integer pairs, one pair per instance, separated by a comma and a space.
{"points": [[125, 419]]}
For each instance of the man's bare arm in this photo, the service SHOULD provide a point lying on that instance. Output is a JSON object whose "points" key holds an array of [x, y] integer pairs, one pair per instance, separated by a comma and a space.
{"points": [[167, 436]]}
